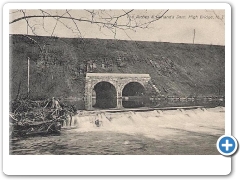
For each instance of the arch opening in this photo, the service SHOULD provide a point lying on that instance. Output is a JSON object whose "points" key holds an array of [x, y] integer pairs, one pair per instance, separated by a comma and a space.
{"points": [[106, 95], [133, 95]]}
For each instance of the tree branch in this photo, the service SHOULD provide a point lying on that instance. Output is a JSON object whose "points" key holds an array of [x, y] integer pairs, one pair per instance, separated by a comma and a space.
{"points": [[102, 18], [83, 20]]}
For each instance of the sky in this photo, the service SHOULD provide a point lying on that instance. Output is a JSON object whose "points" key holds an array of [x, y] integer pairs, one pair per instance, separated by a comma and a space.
{"points": [[176, 26]]}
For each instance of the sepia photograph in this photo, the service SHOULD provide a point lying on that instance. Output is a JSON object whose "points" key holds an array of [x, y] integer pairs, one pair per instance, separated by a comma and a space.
{"points": [[116, 81]]}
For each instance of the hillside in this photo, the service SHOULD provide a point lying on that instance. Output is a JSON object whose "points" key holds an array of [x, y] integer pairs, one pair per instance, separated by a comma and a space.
{"points": [[175, 69]]}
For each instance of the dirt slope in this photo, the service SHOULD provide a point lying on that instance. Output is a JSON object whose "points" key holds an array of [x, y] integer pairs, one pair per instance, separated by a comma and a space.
{"points": [[175, 69]]}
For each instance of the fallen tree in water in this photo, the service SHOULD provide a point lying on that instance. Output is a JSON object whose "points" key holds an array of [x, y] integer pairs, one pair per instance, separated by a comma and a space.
{"points": [[38, 117]]}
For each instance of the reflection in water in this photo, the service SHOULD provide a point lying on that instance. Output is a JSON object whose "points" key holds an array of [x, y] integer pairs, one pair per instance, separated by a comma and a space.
{"points": [[161, 102], [105, 95], [153, 132], [175, 102]]}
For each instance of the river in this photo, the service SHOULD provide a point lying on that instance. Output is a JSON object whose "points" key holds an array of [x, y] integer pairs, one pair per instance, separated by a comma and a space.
{"points": [[156, 132]]}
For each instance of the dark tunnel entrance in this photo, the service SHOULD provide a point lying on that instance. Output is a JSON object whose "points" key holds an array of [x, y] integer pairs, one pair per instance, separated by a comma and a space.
{"points": [[133, 95], [106, 95]]}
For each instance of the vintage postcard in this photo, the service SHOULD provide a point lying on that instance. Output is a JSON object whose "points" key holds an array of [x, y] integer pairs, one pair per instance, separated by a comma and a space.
{"points": [[111, 79]]}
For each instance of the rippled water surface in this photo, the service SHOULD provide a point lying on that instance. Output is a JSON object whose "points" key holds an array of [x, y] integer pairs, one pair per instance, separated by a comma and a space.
{"points": [[155, 132]]}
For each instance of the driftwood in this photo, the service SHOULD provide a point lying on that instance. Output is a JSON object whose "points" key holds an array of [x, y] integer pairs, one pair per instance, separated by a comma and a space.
{"points": [[37, 117]]}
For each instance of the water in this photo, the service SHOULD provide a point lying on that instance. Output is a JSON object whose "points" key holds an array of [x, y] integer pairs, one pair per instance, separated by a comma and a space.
{"points": [[153, 132], [176, 102], [162, 102]]}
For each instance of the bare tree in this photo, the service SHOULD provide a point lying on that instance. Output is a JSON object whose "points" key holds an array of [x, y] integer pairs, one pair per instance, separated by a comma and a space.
{"points": [[47, 22], [114, 21], [37, 22]]}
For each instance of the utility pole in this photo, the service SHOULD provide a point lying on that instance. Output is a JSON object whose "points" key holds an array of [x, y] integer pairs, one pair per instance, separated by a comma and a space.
{"points": [[28, 69], [193, 36], [27, 28], [28, 75]]}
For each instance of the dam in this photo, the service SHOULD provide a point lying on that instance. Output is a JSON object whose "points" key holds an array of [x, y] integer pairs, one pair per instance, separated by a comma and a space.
{"points": [[107, 90]]}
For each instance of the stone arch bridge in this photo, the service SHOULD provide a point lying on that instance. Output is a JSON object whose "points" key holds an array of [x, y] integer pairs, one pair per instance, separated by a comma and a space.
{"points": [[106, 90]]}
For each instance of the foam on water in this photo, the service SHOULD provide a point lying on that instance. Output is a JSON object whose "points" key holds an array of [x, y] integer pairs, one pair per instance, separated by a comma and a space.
{"points": [[155, 124]]}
